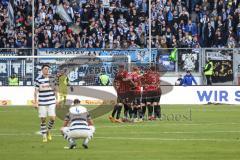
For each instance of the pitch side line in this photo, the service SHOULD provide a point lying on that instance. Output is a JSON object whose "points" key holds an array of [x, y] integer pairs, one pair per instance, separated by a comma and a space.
{"points": [[168, 139], [152, 133], [178, 132], [149, 124], [136, 138], [38, 133]]}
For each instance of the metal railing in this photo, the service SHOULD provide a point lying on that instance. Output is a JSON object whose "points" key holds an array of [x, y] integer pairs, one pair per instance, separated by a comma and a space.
{"points": [[226, 60]]}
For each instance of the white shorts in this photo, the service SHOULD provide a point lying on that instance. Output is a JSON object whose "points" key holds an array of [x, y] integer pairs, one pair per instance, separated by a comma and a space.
{"points": [[77, 134], [44, 111]]}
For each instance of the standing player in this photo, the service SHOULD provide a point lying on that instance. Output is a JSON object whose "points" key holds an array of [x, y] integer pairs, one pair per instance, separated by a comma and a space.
{"points": [[63, 82], [77, 125], [122, 85], [152, 92], [45, 102], [136, 93]]}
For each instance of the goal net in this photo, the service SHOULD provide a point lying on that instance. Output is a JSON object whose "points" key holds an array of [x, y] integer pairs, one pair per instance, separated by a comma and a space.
{"points": [[81, 70]]}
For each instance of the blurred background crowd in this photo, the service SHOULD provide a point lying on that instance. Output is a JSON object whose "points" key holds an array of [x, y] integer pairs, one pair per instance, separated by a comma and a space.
{"points": [[123, 24]]}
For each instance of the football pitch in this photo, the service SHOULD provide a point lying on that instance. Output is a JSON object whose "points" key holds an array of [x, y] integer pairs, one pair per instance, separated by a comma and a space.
{"points": [[201, 132]]}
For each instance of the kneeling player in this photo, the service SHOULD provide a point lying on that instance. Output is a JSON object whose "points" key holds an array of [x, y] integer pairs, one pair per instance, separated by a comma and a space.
{"points": [[77, 125]]}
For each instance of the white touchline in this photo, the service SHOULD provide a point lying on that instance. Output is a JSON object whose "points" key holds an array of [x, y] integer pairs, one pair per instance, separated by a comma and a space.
{"points": [[133, 138], [168, 139], [154, 125], [145, 132], [177, 132]]}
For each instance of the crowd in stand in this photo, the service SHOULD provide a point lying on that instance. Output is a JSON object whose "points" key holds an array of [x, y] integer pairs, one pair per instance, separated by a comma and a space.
{"points": [[16, 32], [123, 24]]}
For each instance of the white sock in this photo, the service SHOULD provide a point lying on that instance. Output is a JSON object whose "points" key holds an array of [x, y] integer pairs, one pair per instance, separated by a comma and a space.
{"points": [[44, 135], [86, 140]]}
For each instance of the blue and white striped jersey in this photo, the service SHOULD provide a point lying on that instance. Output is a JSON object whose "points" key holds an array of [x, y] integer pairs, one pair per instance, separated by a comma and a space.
{"points": [[46, 92], [78, 121]]}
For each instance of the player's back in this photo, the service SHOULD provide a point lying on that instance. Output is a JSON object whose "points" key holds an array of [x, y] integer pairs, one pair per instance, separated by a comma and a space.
{"points": [[123, 85], [78, 120], [136, 78], [152, 78], [151, 81]]}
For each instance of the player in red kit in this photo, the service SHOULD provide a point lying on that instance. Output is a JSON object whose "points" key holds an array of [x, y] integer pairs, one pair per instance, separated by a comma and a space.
{"points": [[122, 86], [135, 77], [152, 92]]}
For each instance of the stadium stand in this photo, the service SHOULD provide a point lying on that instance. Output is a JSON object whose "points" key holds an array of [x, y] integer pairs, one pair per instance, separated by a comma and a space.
{"points": [[16, 30], [124, 24]]}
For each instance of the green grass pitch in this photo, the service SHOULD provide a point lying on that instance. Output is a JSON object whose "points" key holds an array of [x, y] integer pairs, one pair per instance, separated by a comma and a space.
{"points": [[203, 132]]}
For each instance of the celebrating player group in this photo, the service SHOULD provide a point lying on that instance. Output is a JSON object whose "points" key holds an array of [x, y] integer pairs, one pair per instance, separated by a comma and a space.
{"points": [[137, 93]]}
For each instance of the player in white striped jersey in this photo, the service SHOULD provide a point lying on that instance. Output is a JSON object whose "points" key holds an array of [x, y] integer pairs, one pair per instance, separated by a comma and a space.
{"points": [[77, 125], [45, 102]]}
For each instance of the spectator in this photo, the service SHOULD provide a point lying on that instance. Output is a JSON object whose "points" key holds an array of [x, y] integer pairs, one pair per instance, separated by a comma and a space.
{"points": [[231, 42], [208, 34], [191, 28], [208, 71], [189, 79], [179, 81], [95, 26], [104, 79], [13, 80]]}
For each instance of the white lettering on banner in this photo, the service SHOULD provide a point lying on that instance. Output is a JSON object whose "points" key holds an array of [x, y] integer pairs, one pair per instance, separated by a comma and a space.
{"points": [[73, 75], [218, 56], [29, 68], [67, 52], [16, 67], [3, 68]]}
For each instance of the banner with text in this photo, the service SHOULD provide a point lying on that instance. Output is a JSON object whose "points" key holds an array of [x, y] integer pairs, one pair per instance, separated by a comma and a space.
{"points": [[192, 95]]}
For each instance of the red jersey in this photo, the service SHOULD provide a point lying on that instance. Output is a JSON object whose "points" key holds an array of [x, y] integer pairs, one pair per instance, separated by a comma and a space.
{"points": [[122, 86], [136, 79], [151, 81]]}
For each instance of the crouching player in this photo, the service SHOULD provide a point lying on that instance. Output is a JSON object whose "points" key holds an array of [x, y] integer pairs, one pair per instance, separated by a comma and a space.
{"points": [[77, 125]]}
